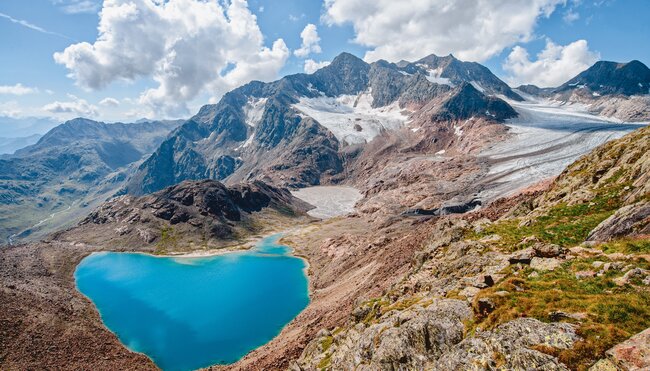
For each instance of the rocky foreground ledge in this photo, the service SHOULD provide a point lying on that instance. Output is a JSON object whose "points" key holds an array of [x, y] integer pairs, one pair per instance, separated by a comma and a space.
{"points": [[551, 280]]}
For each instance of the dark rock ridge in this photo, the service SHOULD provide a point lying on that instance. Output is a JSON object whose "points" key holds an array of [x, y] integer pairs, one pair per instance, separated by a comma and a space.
{"points": [[206, 208], [612, 78], [458, 71], [254, 132]]}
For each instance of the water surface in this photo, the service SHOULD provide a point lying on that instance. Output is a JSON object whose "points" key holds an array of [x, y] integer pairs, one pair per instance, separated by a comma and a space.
{"points": [[186, 313]]}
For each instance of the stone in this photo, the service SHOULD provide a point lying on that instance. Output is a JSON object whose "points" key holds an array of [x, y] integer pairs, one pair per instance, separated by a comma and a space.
{"points": [[543, 250], [585, 274], [626, 221], [469, 292], [521, 257], [597, 264], [483, 282], [558, 315], [634, 273], [485, 306], [545, 264], [632, 354], [514, 339], [604, 365]]}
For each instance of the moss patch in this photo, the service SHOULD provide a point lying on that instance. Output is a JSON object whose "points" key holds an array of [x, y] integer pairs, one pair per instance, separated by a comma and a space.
{"points": [[612, 313], [627, 246]]}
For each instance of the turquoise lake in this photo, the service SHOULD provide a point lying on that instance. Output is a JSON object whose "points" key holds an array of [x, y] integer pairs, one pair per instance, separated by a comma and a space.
{"points": [[187, 313]]}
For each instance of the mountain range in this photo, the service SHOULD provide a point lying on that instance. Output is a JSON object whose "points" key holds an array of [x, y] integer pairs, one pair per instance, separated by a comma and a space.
{"points": [[343, 123], [494, 228], [298, 131], [80, 162]]}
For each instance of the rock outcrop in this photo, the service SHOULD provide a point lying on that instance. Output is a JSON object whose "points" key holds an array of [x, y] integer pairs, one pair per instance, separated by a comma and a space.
{"points": [[192, 214]]}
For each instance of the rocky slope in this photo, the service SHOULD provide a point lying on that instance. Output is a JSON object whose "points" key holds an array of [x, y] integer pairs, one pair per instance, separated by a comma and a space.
{"points": [[632, 78], [548, 280], [190, 216], [47, 324], [304, 129], [77, 163]]}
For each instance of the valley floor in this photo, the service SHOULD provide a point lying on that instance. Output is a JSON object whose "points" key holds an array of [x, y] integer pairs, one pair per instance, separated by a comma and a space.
{"points": [[329, 201]]}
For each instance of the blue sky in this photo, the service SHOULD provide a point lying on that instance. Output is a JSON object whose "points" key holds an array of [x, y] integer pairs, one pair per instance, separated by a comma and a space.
{"points": [[34, 84]]}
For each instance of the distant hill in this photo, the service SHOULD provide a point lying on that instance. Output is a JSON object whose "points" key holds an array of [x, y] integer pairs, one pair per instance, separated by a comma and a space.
{"points": [[77, 163], [10, 145]]}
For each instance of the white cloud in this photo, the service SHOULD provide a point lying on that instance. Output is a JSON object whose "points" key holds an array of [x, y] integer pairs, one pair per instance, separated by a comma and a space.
{"points": [[77, 6], [571, 16], [10, 109], [186, 46], [411, 29], [17, 89], [312, 66], [109, 102], [310, 40], [76, 106], [554, 65]]}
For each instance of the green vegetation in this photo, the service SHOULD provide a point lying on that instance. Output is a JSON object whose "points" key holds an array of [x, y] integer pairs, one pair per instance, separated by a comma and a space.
{"points": [[326, 343], [400, 305], [562, 224], [168, 240], [609, 313], [626, 246], [325, 362]]}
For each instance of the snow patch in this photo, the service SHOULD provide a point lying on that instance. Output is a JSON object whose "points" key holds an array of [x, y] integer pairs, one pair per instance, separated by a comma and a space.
{"points": [[351, 118], [434, 77], [458, 130], [477, 86], [254, 110]]}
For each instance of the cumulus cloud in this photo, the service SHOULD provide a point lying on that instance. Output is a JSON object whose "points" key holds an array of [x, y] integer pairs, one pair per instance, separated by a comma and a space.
{"points": [[310, 41], [472, 30], [17, 89], [554, 65], [109, 102], [76, 106], [186, 46], [312, 66]]}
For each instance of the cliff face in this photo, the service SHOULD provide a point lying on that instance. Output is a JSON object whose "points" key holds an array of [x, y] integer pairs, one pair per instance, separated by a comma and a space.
{"points": [[546, 280]]}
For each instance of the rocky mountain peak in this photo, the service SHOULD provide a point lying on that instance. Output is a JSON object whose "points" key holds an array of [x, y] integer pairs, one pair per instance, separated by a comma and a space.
{"points": [[347, 74], [606, 77]]}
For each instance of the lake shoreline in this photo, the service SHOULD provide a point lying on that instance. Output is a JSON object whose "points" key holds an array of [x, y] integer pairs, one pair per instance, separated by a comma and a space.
{"points": [[269, 241]]}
